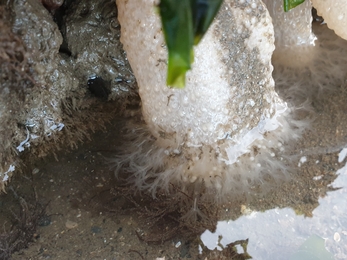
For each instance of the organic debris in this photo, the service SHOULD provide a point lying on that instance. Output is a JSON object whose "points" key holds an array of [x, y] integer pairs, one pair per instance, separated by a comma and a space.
{"points": [[22, 217]]}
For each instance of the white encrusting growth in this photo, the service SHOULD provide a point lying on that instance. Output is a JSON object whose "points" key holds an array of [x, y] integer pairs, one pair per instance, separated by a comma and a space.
{"points": [[300, 62], [227, 127], [292, 28], [334, 13], [294, 39], [20, 147], [208, 131], [4, 176]]}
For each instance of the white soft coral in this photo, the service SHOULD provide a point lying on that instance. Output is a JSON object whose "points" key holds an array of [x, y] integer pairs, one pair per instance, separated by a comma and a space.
{"points": [[227, 127], [334, 13]]}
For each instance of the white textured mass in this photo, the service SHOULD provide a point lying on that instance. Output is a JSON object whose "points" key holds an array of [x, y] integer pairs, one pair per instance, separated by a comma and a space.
{"points": [[299, 62], [292, 28], [294, 38], [224, 125], [222, 93], [334, 13]]}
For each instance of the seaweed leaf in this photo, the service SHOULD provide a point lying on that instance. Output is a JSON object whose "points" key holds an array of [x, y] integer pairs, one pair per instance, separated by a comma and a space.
{"points": [[203, 13], [290, 4], [176, 19], [184, 23]]}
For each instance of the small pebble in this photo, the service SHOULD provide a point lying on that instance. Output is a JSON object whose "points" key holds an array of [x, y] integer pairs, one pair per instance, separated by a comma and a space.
{"points": [[44, 221], [337, 237], [70, 224], [95, 230]]}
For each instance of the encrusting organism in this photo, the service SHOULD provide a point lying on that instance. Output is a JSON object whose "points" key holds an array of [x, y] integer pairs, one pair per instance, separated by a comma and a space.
{"points": [[226, 130]]}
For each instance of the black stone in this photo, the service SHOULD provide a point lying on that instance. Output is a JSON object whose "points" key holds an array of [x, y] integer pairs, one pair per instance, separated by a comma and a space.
{"points": [[99, 87]]}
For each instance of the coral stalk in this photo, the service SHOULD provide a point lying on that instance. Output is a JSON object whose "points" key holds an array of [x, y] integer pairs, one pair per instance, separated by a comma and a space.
{"points": [[226, 128]]}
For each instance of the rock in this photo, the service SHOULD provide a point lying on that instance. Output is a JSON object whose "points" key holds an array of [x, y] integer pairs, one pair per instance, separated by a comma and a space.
{"points": [[70, 224], [45, 102]]}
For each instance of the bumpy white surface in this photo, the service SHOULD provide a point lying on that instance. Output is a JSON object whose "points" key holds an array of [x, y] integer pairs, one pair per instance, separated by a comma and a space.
{"points": [[216, 100], [292, 28], [334, 13], [213, 130], [300, 62], [322, 67], [294, 39]]}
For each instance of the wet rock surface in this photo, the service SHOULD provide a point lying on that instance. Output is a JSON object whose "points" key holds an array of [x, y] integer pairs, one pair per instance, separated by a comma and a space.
{"points": [[54, 108], [92, 35]]}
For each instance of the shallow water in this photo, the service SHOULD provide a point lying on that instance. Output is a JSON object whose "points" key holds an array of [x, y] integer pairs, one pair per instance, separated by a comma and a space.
{"points": [[314, 205], [279, 233]]}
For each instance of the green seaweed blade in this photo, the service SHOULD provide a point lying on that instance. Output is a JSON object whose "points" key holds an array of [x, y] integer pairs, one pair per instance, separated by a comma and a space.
{"points": [[290, 4], [177, 24], [204, 12], [184, 24]]}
